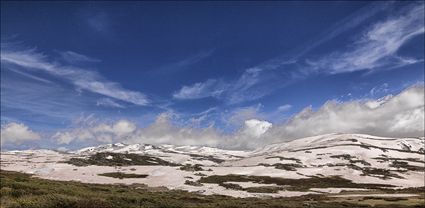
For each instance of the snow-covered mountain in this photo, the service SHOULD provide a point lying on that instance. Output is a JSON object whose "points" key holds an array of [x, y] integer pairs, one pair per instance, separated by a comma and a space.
{"points": [[363, 159], [329, 140], [171, 153]]}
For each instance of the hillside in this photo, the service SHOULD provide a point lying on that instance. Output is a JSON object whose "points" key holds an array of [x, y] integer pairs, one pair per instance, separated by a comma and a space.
{"points": [[328, 164]]}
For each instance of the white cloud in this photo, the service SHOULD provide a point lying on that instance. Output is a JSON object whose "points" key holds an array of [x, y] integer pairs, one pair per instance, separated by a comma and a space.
{"points": [[74, 57], [252, 84], [262, 79], [256, 128], [107, 102], [17, 133], [395, 116], [378, 46], [379, 89], [209, 88], [102, 133], [284, 108], [123, 127], [96, 20], [81, 78], [162, 131], [401, 115], [238, 116], [378, 102]]}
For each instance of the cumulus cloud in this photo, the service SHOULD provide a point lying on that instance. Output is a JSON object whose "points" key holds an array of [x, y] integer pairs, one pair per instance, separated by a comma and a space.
{"points": [[163, 131], [17, 133], [101, 133], [394, 116], [256, 128], [238, 116]]}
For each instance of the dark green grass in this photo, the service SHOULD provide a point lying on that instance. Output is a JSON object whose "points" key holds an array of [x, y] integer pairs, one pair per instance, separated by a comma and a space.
{"points": [[121, 175]]}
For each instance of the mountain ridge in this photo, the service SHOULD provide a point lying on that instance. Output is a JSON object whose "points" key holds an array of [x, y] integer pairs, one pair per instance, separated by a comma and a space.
{"points": [[355, 159]]}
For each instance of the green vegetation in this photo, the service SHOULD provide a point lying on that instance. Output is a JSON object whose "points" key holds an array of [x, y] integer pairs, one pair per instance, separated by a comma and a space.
{"points": [[118, 159], [351, 159], [203, 157], [121, 175], [190, 167], [368, 171], [302, 184], [264, 189], [385, 158], [282, 166], [193, 183], [19, 190], [343, 156], [199, 174], [402, 163], [285, 158], [379, 172], [405, 165], [257, 189]]}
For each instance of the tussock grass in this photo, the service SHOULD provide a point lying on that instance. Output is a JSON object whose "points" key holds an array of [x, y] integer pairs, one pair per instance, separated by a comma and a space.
{"points": [[190, 167], [122, 175], [20, 190]]}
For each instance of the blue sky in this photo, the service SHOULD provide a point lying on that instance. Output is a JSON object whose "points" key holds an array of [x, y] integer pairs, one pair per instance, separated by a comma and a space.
{"points": [[69, 65]]}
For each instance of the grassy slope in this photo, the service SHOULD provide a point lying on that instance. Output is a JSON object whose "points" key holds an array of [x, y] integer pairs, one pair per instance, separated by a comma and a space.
{"points": [[118, 159], [122, 175], [21, 190]]}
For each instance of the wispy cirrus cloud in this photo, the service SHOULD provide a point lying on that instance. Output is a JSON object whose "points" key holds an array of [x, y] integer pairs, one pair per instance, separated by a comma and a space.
{"points": [[74, 57], [43, 102], [82, 79], [28, 75], [183, 64], [108, 102], [209, 88], [254, 83], [377, 47], [96, 20]]}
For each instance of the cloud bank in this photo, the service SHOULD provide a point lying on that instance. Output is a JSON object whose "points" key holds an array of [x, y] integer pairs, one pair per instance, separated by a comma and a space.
{"points": [[101, 133], [394, 116], [400, 115]]}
